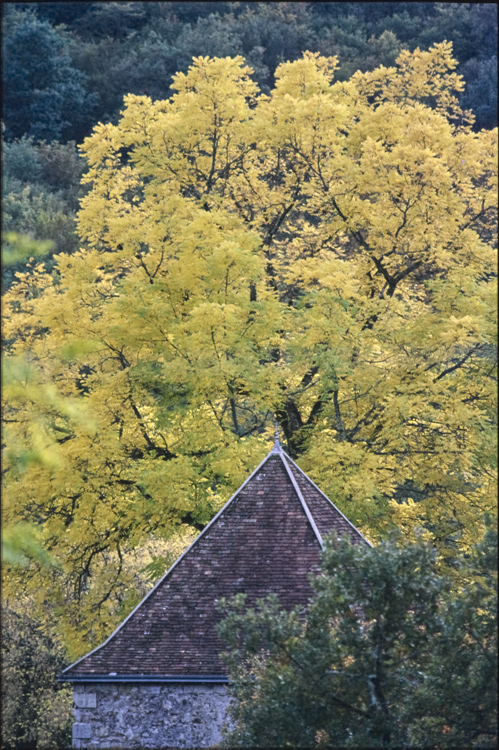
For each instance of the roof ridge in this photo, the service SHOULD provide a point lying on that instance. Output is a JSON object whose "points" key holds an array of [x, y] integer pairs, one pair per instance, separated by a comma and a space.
{"points": [[327, 498], [177, 561], [301, 498]]}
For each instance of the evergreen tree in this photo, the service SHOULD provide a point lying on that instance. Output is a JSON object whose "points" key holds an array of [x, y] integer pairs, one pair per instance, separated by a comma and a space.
{"points": [[44, 96], [388, 654]]}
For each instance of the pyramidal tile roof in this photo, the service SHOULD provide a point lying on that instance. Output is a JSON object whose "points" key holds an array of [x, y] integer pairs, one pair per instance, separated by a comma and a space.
{"points": [[266, 539]]}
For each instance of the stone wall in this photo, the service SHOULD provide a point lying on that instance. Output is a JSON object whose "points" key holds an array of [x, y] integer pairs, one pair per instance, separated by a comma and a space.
{"points": [[127, 715]]}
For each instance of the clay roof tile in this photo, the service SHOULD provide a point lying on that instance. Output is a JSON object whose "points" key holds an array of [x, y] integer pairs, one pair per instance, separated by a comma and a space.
{"points": [[266, 539]]}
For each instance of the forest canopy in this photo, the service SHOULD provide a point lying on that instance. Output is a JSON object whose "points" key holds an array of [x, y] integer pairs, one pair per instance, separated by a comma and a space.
{"points": [[72, 63], [325, 253]]}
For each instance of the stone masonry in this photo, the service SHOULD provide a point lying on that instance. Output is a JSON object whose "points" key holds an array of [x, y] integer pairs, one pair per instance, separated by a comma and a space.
{"points": [[127, 715]]}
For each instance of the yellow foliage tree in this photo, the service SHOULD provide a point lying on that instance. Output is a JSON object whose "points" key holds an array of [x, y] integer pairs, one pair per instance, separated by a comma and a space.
{"points": [[325, 254]]}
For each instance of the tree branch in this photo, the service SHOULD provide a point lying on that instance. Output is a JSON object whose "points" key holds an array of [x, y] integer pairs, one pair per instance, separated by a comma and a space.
{"points": [[458, 364]]}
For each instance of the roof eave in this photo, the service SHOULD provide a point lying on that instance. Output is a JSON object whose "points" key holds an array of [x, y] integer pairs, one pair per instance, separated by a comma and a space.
{"points": [[143, 678]]}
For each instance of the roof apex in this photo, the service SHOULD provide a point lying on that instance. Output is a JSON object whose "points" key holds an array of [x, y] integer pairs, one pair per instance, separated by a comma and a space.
{"points": [[277, 446]]}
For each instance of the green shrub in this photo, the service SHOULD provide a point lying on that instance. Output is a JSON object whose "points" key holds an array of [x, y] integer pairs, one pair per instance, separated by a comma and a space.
{"points": [[36, 709]]}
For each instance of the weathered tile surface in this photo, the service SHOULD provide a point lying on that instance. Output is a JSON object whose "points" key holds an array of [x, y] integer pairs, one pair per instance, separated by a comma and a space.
{"points": [[326, 516], [262, 542]]}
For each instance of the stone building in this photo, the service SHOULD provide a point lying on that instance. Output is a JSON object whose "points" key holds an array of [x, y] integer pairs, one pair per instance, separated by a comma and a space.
{"points": [[158, 680]]}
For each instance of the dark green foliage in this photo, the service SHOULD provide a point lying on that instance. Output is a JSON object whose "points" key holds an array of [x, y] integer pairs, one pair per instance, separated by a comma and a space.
{"points": [[20, 162], [40, 195], [389, 654], [470, 27], [45, 95], [136, 47], [36, 709], [100, 60], [189, 12], [66, 13], [481, 90], [272, 33], [459, 695], [112, 20], [53, 166]]}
